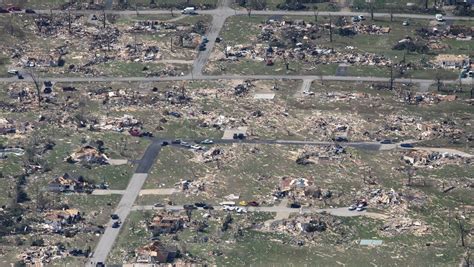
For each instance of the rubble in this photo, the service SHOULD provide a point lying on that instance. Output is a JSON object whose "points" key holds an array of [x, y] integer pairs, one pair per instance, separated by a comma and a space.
{"points": [[427, 159], [311, 229], [88, 155]]}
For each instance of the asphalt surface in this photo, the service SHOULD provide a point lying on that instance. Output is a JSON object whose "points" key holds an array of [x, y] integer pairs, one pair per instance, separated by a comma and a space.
{"points": [[234, 77], [124, 207], [342, 212], [148, 159], [258, 12]]}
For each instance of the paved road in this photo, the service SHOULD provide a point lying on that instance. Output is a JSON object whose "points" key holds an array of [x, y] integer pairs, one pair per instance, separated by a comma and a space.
{"points": [[342, 212], [234, 77], [260, 12], [219, 17], [107, 240]]}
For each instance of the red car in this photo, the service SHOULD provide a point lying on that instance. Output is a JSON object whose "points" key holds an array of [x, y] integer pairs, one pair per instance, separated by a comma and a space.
{"points": [[253, 203]]}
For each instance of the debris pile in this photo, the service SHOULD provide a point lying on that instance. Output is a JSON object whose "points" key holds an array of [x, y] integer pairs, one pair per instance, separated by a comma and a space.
{"points": [[312, 228], [316, 154], [88, 155], [120, 124], [398, 225], [422, 158]]}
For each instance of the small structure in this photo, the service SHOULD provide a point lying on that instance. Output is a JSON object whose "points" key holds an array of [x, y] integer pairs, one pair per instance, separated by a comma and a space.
{"points": [[449, 61]]}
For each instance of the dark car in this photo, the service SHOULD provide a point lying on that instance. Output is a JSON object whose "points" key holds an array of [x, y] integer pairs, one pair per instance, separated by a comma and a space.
{"points": [[176, 142], [340, 139], [202, 47], [205, 40], [2, 10], [175, 114], [189, 207], [20, 77], [253, 203], [295, 205], [200, 204], [30, 11], [114, 217], [386, 141], [146, 134], [100, 264], [208, 207], [164, 143], [116, 224], [218, 39], [406, 145], [240, 136], [14, 9]]}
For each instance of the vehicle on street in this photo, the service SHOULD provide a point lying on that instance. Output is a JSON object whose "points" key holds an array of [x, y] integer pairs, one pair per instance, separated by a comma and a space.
{"points": [[202, 47], [189, 11], [20, 77], [406, 23], [30, 11], [406, 145], [240, 210], [199, 204], [208, 207], [352, 207], [13, 72], [158, 205], [176, 142], [439, 17], [253, 203], [14, 9], [205, 40], [164, 143], [229, 208], [114, 217], [295, 205], [116, 224], [386, 141], [196, 147], [207, 142], [189, 207]]}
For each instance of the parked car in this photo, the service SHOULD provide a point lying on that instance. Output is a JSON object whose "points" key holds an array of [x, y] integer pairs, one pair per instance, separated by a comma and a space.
{"points": [[295, 205], [202, 47], [200, 204], [340, 139], [189, 207], [116, 224], [30, 11], [114, 217], [253, 203], [386, 141], [176, 142], [13, 72], [14, 9], [164, 143], [196, 147], [207, 142], [352, 207], [229, 208], [189, 11], [20, 77], [100, 264], [240, 210], [406, 145], [158, 205], [205, 40]]}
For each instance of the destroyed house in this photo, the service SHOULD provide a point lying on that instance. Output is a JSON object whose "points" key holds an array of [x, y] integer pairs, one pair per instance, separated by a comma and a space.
{"points": [[66, 183], [166, 224], [448, 61], [6, 127], [156, 253]]}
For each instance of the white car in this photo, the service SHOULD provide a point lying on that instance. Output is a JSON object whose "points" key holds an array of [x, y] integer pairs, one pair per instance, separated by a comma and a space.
{"points": [[240, 210], [229, 208], [196, 147], [13, 72], [207, 141]]}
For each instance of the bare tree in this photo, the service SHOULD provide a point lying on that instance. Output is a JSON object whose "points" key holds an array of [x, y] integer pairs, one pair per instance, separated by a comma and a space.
{"points": [[462, 230], [315, 12], [37, 84], [330, 29]]}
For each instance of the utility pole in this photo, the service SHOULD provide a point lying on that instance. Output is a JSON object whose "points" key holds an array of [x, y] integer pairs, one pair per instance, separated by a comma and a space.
{"points": [[330, 29]]}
